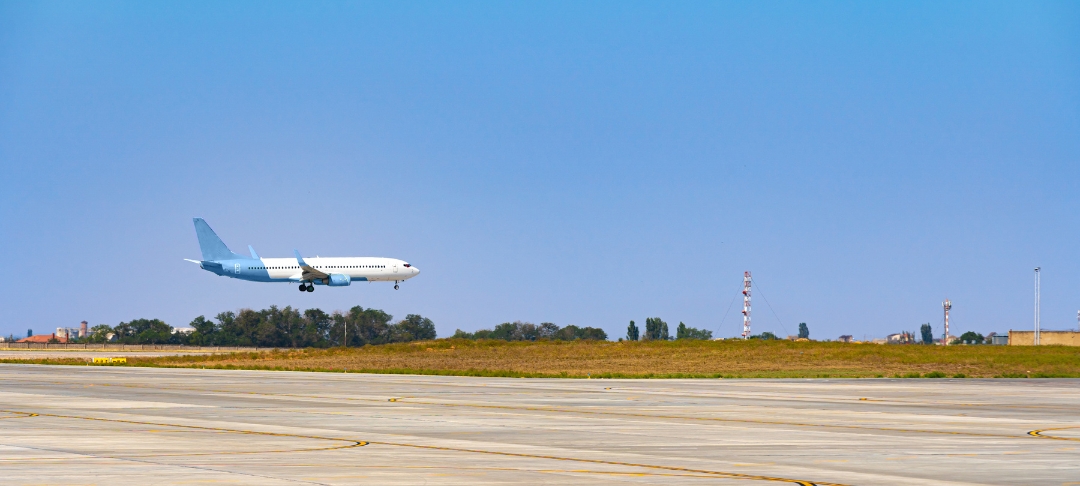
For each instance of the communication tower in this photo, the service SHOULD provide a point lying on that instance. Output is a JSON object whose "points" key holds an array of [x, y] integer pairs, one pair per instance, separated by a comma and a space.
{"points": [[947, 305], [1037, 297], [746, 306]]}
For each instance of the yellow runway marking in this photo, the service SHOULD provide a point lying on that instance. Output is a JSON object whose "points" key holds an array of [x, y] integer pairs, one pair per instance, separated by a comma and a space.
{"points": [[1039, 434]]}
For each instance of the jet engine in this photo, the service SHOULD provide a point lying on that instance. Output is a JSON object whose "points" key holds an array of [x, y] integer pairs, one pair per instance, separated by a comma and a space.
{"points": [[338, 280]]}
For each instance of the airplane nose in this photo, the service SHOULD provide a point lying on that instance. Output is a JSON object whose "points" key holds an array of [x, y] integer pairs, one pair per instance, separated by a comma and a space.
{"points": [[415, 271]]}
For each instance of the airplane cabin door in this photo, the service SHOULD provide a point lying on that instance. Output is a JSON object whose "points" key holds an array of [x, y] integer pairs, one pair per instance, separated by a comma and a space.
{"points": [[395, 268]]}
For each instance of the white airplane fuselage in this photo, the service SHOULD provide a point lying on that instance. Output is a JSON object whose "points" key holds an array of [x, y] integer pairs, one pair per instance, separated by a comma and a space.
{"points": [[363, 269], [308, 272]]}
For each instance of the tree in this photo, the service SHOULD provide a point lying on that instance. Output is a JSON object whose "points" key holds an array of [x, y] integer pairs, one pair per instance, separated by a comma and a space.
{"points": [[632, 332], [971, 337], [687, 332], [656, 329], [592, 334], [547, 330], [143, 331], [766, 336], [203, 335], [804, 331], [415, 327], [568, 333], [99, 333], [927, 333]]}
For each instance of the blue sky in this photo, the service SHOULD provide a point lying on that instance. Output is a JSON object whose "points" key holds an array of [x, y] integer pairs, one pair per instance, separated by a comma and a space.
{"points": [[581, 163]]}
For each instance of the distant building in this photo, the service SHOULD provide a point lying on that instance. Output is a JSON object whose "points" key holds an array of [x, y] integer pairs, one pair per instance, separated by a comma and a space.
{"points": [[1046, 338], [83, 331], [68, 332], [42, 338], [997, 339], [846, 338], [183, 330], [900, 338], [949, 340]]}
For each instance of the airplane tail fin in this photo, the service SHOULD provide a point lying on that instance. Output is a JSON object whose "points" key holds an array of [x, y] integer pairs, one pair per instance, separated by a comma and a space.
{"points": [[212, 247]]}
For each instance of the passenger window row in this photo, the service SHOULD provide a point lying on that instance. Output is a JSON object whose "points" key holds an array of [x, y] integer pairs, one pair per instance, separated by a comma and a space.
{"points": [[328, 266]]}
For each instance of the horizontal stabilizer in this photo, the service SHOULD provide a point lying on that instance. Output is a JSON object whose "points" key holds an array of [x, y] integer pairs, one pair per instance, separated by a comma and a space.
{"points": [[204, 264]]}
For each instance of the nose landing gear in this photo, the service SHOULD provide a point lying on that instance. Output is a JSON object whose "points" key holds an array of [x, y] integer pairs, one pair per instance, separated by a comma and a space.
{"points": [[395, 284]]}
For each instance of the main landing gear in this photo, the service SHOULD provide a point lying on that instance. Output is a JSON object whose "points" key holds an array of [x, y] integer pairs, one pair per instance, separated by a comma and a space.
{"points": [[307, 286]]}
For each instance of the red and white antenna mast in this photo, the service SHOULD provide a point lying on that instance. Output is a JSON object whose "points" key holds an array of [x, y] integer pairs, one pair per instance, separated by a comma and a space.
{"points": [[746, 306]]}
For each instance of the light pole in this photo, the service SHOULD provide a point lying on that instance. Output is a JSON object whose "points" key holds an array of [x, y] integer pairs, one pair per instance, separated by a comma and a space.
{"points": [[1037, 296]]}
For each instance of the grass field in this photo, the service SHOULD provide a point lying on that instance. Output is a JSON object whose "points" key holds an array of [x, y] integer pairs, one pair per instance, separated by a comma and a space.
{"points": [[652, 359]]}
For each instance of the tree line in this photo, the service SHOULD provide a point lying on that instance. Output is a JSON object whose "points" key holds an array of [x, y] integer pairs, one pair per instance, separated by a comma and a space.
{"points": [[657, 330], [527, 331], [273, 327]]}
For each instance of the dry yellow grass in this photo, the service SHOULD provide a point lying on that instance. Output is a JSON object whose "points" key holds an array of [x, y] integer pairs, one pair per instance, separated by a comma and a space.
{"points": [[658, 359]]}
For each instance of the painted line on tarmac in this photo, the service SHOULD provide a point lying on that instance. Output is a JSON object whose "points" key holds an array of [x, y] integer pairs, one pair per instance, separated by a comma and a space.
{"points": [[711, 419], [1039, 434], [409, 400], [707, 472], [352, 442], [356, 443]]}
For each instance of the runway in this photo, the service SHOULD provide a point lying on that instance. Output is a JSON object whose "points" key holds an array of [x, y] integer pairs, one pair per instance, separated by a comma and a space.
{"points": [[117, 425]]}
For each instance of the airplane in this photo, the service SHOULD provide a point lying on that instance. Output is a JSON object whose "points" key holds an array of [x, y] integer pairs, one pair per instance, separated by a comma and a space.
{"points": [[332, 272]]}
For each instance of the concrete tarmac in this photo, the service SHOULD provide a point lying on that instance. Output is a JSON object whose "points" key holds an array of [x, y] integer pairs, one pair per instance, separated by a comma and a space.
{"points": [[117, 426]]}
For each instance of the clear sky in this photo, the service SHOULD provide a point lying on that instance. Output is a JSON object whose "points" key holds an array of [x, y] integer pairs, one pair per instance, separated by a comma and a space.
{"points": [[581, 163]]}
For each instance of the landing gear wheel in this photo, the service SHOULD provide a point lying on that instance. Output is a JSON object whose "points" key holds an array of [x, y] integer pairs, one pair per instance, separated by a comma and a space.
{"points": [[395, 286], [311, 288], [303, 287]]}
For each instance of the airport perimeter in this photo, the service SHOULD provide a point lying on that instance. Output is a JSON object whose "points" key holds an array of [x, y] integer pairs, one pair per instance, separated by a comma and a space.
{"points": [[109, 425]]}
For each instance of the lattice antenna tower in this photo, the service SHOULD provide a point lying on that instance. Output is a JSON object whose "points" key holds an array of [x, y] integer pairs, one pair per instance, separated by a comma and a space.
{"points": [[746, 306], [947, 305]]}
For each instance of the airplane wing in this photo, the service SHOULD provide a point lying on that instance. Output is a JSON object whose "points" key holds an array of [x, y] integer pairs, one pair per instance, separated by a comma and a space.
{"points": [[310, 273]]}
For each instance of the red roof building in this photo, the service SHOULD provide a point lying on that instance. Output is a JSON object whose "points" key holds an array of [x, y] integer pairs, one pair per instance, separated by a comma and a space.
{"points": [[43, 338]]}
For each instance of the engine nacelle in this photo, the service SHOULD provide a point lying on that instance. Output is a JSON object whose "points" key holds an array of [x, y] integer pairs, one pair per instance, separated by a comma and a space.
{"points": [[338, 280]]}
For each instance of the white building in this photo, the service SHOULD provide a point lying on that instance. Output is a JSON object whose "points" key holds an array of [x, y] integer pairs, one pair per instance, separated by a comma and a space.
{"points": [[67, 332]]}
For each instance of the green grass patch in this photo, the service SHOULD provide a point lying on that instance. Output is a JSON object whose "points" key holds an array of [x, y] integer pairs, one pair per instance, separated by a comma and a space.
{"points": [[650, 359]]}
